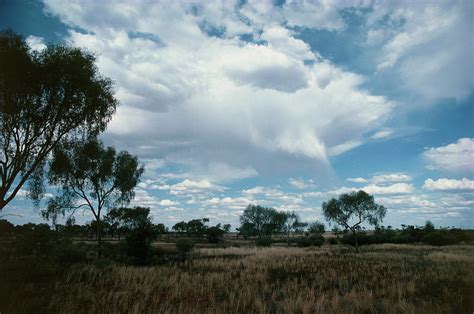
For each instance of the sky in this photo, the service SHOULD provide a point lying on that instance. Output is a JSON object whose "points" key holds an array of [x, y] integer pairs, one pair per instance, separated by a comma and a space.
{"points": [[284, 104]]}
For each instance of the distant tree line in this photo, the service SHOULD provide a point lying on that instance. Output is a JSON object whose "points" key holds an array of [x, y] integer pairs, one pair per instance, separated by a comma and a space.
{"points": [[198, 228]]}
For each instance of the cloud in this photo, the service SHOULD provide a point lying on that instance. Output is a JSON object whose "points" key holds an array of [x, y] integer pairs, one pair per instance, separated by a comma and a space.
{"points": [[187, 187], [344, 147], [448, 185], [301, 184], [262, 67], [382, 134], [143, 198], [167, 202], [198, 98], [455, 158], [407, 201], [357, 180], [391, 177], [397, 188], [433, 38], [36, 43]]}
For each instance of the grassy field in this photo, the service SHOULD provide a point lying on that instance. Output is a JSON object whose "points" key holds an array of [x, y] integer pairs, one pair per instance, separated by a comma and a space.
{"points": [[378, 279]]}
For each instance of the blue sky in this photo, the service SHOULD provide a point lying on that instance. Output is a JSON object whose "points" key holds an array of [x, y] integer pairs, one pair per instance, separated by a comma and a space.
{"points": [[280, 104]]}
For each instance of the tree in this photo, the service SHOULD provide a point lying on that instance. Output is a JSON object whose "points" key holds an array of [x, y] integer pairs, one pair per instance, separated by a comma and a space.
{"points": [[264, 221], [45, 97], [317, 228], [429, 226], [353, 209], [214, 233], [180, 227], [140, 234], [184, 246], [226, 228], [88, 175]]}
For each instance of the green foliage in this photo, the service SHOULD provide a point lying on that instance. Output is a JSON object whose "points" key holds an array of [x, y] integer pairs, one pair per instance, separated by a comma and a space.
{"points": [[352, 210], [312, 240], [91, 176], [194, 227], [316, 239], [138, 244], [302, 241], [429, 227], [264, 242], [439, 238], [185, 245], [317, 228], [45, 97], [247, 230], [6, 227], [214, 234], [262, 221], [90, 173]]}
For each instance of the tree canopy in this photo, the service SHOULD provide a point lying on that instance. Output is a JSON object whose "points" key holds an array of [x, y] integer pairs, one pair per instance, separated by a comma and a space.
{"points": [[261, 221], [45, 97], [89, 175], [352, 210]]}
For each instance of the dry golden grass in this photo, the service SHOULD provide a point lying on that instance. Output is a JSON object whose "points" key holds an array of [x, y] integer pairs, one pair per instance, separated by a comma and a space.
{"points": [[331, 279]]}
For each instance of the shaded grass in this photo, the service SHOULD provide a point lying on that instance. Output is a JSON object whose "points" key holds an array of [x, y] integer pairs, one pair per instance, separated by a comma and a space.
{"points": [[379, 279]]}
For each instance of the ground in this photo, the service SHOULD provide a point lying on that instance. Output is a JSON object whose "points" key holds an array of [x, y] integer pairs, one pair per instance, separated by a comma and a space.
{"points": [[379, 279]]}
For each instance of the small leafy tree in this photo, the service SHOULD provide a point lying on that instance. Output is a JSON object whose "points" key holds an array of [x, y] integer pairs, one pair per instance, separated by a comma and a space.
{"points": [[185, 246], [261, 221], [353, 209], [90, 176], [214, 234], [317, 228], [140, 234], [45, 97], [226, 228]]}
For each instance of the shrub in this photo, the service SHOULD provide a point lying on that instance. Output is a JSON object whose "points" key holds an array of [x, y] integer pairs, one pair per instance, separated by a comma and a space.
{"points": [[362, 239], [333, 240], [439, 238], [69, 253], [185, 245], [39, 241], [138, 244], [303, 242], [6, 227], [316, 239], [264, 242]]}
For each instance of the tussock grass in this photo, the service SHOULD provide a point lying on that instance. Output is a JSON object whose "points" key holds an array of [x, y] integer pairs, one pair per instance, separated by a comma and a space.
{"points": [[378, 279]]}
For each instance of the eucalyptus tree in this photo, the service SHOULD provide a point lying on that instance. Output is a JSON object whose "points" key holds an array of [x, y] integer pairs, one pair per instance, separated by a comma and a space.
{"points": [[91, 176], [45, 97], [352, 210]]}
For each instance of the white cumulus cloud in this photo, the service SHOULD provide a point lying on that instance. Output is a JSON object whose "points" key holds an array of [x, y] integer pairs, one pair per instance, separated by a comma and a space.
{"points": [[456, 158], [449, 185]]}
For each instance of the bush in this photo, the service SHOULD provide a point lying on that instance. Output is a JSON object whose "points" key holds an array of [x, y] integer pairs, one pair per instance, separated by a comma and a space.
{"points": [[39, 241], [185, 245], [312, 240], [138, 244], [333, 240], [439, 238], [362, 239], [303, 242], [264, 242], [317, 239], [69, 253], [6, 227]]}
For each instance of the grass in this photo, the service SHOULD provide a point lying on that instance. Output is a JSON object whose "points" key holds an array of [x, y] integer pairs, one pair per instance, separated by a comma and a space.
{"points": [[378, 279]]}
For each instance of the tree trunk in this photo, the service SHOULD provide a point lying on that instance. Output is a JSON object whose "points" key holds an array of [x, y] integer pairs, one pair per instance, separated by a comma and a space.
{"points": [[99, 239], [355, 240]]}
